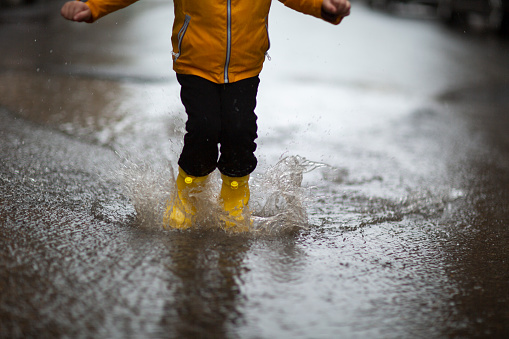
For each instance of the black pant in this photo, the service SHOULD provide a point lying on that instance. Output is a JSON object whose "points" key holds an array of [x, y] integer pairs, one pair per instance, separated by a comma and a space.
{"points": [[219, 114]]}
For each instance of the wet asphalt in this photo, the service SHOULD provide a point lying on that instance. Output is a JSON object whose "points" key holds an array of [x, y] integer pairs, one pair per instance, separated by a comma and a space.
{"points": [[381, 191]]}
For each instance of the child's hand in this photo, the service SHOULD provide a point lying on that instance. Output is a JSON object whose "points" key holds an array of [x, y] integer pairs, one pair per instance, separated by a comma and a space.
{"points": [[336, 7], [76, 11]]}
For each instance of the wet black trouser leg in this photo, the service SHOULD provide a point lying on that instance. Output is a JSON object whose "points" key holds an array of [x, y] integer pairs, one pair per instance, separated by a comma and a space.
{"points": [[219, 114]]}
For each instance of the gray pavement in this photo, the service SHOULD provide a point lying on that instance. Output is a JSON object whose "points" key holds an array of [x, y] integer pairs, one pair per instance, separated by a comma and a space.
{"points": [[381, 198]]}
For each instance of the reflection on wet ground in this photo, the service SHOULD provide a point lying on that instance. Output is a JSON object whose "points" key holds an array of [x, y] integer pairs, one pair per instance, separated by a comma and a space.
{"points": [[385, 216]]}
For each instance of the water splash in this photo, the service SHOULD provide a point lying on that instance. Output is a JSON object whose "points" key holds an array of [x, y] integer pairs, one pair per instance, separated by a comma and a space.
{"points": [[148, 188], [278, 200]]}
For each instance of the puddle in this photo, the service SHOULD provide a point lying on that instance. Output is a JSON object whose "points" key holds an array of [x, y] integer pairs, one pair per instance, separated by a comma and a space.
{"points": [[281, 200]]}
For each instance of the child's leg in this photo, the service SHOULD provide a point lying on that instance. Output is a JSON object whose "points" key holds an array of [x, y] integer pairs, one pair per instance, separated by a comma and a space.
{"points": [[201, 99], [238, 128], [237, 161]]}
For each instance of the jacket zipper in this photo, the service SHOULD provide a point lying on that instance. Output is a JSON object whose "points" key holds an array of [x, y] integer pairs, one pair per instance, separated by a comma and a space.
{"points": [[229, 40], [180, 36]]}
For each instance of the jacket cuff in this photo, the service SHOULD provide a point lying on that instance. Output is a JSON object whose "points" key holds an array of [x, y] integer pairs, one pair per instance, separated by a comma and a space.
{"points": [[93, 8]]}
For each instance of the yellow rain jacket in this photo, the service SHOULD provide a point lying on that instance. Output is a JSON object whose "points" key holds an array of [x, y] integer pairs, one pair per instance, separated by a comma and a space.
{"points": [[220, 40]]}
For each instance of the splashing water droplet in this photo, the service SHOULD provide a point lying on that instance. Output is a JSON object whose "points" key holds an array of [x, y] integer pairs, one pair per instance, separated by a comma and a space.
{"points": [[282, 200]]}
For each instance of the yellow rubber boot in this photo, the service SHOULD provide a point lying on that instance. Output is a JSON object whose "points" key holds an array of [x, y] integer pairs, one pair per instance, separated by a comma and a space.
{"points": [[180, 212], [234, 198]]}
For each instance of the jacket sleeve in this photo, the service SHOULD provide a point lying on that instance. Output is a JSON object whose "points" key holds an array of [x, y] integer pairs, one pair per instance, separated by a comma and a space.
{"points": [[100, 8], [312, 7]]}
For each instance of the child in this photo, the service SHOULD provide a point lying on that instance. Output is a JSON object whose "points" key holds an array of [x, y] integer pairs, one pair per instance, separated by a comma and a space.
{"points": [[219, 47]]}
